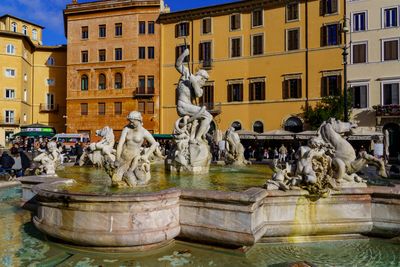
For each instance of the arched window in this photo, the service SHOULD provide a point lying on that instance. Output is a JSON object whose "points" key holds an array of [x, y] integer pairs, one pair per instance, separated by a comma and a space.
{"points": [[14, 27], [34, 34], [51, 61], [10, 49], [294, 124], [25, 30], [258, 127], [102, 81], [118, 81], [84, 83], [237, 125]]}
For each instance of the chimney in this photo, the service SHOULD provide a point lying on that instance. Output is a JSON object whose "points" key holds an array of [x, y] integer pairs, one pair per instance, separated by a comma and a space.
{"points": [[74, 1]]}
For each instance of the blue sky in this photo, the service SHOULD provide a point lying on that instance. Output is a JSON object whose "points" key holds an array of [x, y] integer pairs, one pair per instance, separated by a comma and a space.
{"points": [[48, 13]]}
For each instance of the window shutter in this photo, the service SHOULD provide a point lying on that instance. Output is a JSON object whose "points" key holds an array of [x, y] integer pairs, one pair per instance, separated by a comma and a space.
{"points": [[285, 89], [251, 92], [201, 52], [299, 88], [263, 91], [339, 34], [322, 7], [323, 36], [363, 96], [339, 85], [324, 89], [334, 6], [241, 92], [229, 93], [176, 30], [395, 93], [237, 21]]}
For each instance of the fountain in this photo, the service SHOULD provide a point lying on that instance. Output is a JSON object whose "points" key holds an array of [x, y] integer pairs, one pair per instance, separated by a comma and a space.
{"points": [[318, 197]]}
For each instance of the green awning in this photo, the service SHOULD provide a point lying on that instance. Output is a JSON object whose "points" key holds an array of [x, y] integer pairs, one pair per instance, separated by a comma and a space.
{"points": [[162, 136], [34, 134]]}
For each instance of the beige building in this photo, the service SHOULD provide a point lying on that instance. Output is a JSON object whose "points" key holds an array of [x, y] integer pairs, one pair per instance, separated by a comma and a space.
{"points": [[32, 78], [374, 65]]}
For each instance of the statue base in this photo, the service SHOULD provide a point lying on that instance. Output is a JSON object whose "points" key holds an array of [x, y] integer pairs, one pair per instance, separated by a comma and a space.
{"points": [[190, 169]]}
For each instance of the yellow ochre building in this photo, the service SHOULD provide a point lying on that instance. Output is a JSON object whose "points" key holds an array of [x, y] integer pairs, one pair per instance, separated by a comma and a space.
{"points": [[32, 78], [267, 60]]}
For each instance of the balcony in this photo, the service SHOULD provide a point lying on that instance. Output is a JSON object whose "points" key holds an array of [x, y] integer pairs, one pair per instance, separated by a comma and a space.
{"points": [[9, 122], [213, 108], [141, 92], [386, 114], [48, 108]]}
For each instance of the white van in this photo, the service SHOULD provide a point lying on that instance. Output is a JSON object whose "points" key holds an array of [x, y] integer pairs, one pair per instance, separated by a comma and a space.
{"points": [[70, 139]]}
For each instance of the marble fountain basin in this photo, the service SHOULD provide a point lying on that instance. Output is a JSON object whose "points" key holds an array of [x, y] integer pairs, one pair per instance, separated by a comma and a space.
{"points": [[143, 220]]}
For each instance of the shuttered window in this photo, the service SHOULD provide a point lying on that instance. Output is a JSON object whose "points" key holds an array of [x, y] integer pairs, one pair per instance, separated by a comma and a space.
{"points": [[391, 50], [359, 53], [235, 92]]}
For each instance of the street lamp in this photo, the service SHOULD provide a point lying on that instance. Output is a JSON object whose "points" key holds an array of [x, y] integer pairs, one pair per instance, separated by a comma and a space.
{"points": [[345, 30]]}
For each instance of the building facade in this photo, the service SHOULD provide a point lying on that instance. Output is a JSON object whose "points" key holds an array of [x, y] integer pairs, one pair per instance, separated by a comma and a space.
{"points": [[32, 79], [374, 70], [112, 64], [267, 60]]}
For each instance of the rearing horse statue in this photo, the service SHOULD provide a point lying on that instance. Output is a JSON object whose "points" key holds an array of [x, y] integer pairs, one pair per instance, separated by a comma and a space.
{"points": [[344, 158]]}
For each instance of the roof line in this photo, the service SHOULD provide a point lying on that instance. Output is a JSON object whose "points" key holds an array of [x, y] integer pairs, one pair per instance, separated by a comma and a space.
{"points": [[23, 20]]}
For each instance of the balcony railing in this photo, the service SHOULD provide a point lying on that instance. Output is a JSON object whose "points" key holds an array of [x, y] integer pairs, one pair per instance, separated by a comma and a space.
{"points": [[142, 92], [7, 121], [48, 107], [387, 110], [212, 107]]}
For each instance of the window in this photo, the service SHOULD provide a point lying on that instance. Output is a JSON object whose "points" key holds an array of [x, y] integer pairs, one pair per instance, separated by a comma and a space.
{"points": [[24, 30], [236, 47], [117, 108], [235, 22], [293, 40], [142, 52], [34, 34], [50, 104], [51, 61], [84, 83], [359, 53], [292, 11], [25, 117], [50, 82], [390, 17], [102, 31], [292, 88], [102, 108], [359, 21], [118, 53], [360, 96], [390, 94], [150, 84], [150, 107], [142, 27], [390, 50], [329, 6], [10, 93], [293, 124], [9, 118], [207, 99], [331, 85], [142, 85], [14, 27], [10, 73], [25, 95], [179, 50], [330, 35], [25, 77], [118, 29], [235, 92], [84, 56], [236, 125], [102, 81], [257, 44], [150, 52], [141, 106], [258, 127], [102, 55], [85, 32], [118, 81], [257, 18], [10, 49], [84, 109], [205, 53], [182, 29], [150, 27], [257, 89], [206, 26]]}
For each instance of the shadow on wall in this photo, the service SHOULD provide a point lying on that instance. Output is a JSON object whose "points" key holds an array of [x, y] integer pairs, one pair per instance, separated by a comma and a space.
{"points": [[364, 117]]}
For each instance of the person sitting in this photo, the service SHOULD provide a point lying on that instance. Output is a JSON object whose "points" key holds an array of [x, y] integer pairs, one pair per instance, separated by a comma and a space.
{"points": [[21, 161], [6, 162]]}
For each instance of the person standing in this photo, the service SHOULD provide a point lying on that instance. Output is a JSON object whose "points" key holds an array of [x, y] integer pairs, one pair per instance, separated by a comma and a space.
{"points": [[282, 153]]}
